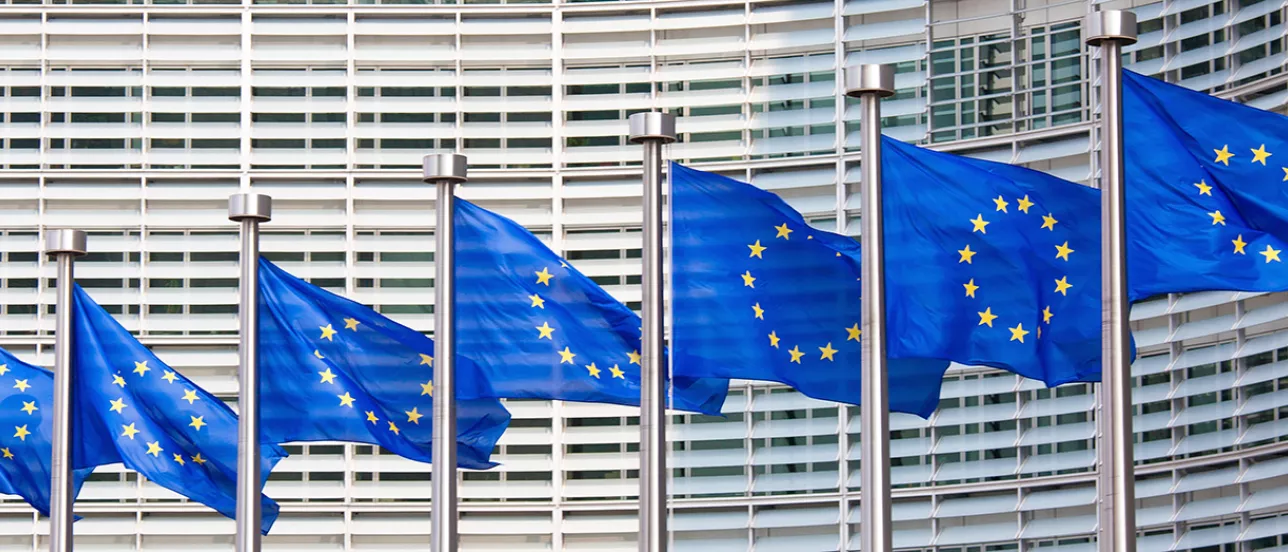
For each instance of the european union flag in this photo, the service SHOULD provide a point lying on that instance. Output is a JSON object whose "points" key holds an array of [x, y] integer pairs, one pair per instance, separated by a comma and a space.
{"points": [[538, 328], [26, 410], [335, 370], [1207, 202], [761, 295], [990, 264], [160, 424]]}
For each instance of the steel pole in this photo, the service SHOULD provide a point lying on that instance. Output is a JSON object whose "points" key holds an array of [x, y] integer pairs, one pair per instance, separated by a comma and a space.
{"points": [[445, 170], [652, 130], [248, 210], [1111, 30], [870, 83], [65, 246]]}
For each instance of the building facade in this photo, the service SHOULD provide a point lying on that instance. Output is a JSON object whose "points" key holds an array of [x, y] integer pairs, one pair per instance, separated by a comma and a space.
{"points": [[136, 119]]}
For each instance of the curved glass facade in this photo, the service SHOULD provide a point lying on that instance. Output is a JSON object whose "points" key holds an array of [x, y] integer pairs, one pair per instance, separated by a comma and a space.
{"points": [[136, 119]]}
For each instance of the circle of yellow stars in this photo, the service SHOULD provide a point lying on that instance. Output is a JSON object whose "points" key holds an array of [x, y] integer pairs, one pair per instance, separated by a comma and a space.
{"points": [[347, 400], [1223, 156], [131, 430], [567, 356]]}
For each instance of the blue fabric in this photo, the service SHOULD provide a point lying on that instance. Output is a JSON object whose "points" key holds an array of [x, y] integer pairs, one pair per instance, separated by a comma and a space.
{"points": [[26, 434], [760, 295], [152, 418], [538, 328], [335, 370], [1206, 208], [991, 264]]}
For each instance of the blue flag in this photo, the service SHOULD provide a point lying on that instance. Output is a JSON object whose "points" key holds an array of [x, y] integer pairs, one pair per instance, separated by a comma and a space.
{"points": [[538, 328], [335, 370], [991, 264], [152, 418], [26, 434], [1207, 200], [761, 295]]}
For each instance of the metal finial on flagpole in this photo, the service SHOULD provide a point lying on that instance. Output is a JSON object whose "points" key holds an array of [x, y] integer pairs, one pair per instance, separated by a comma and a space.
{"points": [[1111, 30], [64, 246], [870, 83], [445, 170], [249, 210], [652, 130]]}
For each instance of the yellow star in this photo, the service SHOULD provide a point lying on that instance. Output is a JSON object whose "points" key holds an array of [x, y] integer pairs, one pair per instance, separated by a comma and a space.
{"points": [[854, 332], [346, 399], [351, 324], [141, 368], [118, 380], [634, 356], [198, 422], [393, 427], [128, 431], [979, 223], [757, 249], [318, 354], [1271, 254], [594, 370], [169, 376], [544, 276], [1063, 251], [617, 372], [426, 360], [546, 331], [1284, 180], [566, 356], [327, 375], [1062, 284], [1046, 315], [1039, 332], [427, 388], [748, 280], [198, 459], [21, 432], [970, 287], [154, 448], [29, 407], [773, 339], [987, 317], [1048, 222], [1025, 204], [760, 313], [1223, 155], [783, 231], [7, 454], [796, 354], [189, 395], [1259, 155], [1018, 333], [414, 415], [371, 417], [178, 458], [21, 385], [328, 333], [966, 255], [1000, 203], [1217, 218], [1204, 188], [827, 351], [4, 369], [1239, 244], [118, 406], [537, 301]]}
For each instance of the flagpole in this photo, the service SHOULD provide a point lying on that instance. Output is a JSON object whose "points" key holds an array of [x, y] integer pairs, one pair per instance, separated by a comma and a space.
{"points": [[870, 83], [1111, 30], [249, 210], [652, 130], [445, 170], [65, 246]]}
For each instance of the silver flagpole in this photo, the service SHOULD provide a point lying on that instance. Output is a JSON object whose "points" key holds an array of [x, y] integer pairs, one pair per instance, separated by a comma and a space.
{"points": [[445, 170], [652, 129], [1111, 30], [65, 246], [870, 83], [249, 210]]}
